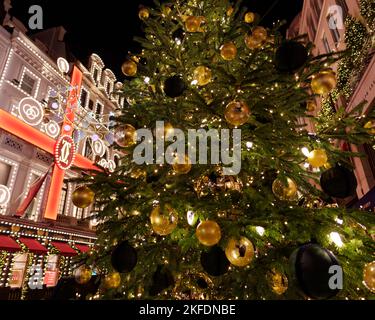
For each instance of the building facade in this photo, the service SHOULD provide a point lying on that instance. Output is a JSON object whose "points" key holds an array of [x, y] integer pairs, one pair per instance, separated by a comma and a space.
{"points": [[31, 86], [323, 21]]}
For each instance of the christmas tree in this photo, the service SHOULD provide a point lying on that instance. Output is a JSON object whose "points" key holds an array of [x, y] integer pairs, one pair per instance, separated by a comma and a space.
{"points": [[264, 224]]}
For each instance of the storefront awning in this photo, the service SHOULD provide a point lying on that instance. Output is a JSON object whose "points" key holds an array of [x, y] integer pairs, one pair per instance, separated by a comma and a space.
{"points": [[83, 248], [8, 244], [64, 248], [34, 246]]}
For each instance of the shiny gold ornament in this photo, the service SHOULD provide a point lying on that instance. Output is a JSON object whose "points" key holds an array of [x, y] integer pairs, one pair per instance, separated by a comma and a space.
{"points": [[249, 17], [143, 14], [277, 281], [168, 130], [82, 275], [112, 280], [126, 135], [285, 192], [317, 158], [323, 82], [182, 167], [237, 113], [228, 51], [208, 233], [192, 24], [252, 42], [239, 252], [202, 186], [311, 105], [166, 11], [370, 125], [369, 276], [129, 68], [163, 221], [230, 11], [202, 75], [83, 197], [260, 33]]}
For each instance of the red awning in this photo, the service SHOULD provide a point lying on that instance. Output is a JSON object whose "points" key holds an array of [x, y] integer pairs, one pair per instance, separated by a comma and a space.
{"points": [[8, 244], [83, 248], [64, 248], [34, 246]]}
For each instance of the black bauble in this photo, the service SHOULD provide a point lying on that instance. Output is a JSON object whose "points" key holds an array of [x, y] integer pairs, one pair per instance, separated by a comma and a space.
{"points": [[161, 280], [290, 56], [311, 264], [338, 182], [124, 257], [214, 261], [174, 87]]}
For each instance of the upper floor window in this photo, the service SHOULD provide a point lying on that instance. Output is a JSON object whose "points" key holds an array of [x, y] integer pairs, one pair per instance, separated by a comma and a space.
{"points": [[326, 44], [99, 108], [96, 74], [63, 200], [87, 152], [91, 105], [344, 7], [28, 83], [83, 97], [333, 27]]}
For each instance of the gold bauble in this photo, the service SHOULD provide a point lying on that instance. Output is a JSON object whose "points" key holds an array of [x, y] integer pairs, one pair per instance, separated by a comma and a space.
{"points": [[369, 276], [317, 158], [311, 105], [285, 192], [323, 82], [249, 17], [82, 275], [163, 221], [192, 24], [277, 281], [230, 11], [126, 135], [370, 125], [208, 233], [260, 33], [237, 113], [202, 186], [143, 14], [129, 68], [83, 197], [112, 280], [182, 167], [252, 42], [239, 252], [202, 75], [228, 51]]}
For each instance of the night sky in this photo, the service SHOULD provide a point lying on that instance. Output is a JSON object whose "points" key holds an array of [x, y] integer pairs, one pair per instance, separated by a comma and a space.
{"points": [[108, 28]]}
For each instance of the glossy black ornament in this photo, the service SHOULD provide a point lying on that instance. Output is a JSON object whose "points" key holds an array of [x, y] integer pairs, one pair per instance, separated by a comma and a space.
{"points": [[124, 257], [290, 56], [214, 261], [178, 35], [161, 280], [338, 182], [311, 265], [174, 87]]}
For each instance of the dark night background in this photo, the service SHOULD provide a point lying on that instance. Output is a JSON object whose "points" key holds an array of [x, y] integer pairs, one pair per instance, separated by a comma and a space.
{"points": [[108, 27]]}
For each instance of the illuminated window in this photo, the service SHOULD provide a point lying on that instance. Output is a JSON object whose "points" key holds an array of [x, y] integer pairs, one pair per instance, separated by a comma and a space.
{"points": [[28, 84]]}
